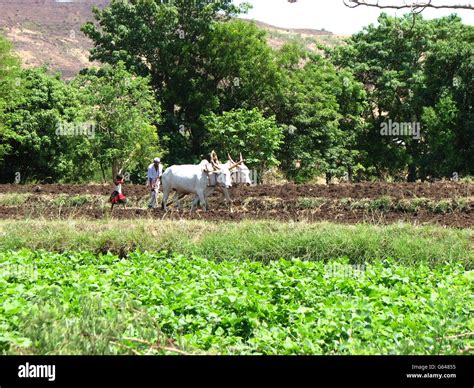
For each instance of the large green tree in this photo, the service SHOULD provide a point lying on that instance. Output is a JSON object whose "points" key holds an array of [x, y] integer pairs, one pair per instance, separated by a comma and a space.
{"points": [[248, 132], [321, 110], [411, 69], [32, 147], [448, 114], [198, 60], [121, 109]]}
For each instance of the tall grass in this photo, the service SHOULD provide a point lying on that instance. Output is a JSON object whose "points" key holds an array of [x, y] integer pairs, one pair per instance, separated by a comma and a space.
{"points": [[255, 240], [13, 199]]}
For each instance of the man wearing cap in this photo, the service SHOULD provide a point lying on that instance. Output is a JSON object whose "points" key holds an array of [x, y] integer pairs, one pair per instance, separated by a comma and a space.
{"points": [[155, 170]]}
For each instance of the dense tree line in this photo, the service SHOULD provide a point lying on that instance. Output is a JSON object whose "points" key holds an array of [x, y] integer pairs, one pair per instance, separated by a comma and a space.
{"points": [[178, 81], [416, 72]]}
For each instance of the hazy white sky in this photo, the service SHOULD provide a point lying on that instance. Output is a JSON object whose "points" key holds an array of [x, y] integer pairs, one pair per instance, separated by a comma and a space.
{"points": [[333, 15]]}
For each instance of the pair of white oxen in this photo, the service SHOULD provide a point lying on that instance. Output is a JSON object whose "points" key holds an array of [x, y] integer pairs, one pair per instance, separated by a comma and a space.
{"points": [[202, 180]]}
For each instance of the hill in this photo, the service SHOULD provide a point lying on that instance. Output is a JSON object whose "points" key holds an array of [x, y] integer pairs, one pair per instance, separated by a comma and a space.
{"points": [[310, 38], [47, 32]]}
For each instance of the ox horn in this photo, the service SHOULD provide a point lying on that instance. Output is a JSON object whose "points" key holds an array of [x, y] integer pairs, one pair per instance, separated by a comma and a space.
{"points": [[235, 165], [215, 165], [214, 157], [232, 160]]}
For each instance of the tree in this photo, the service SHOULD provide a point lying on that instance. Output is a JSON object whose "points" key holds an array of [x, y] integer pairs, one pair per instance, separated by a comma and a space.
{"points": [[398, 63], [442, 154], [122, 110], [9, 69], [320, 110], [198, 61], [248, 132], [31, 119], [352, 100], [9, 86], [448, 114], [243, 67]]}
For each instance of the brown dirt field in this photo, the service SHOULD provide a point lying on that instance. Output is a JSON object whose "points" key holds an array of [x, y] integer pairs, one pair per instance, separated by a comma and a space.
{"points": [[261, 202], [438, 190], [459, 220]]}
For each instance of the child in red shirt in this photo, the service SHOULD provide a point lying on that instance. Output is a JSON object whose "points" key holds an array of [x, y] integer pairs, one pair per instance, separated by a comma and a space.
{"points": [[117, 196]]}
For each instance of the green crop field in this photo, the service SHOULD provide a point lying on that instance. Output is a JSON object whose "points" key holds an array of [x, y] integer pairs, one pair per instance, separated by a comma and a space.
{"points": [[325, 169], [192, 295]]}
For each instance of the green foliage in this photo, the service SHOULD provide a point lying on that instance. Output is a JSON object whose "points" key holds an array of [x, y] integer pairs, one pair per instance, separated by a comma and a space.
{"points": [[449, 118], [415, 72], [56, 131], [77, 303], [123, 110], [9, 88], [178, 71], [93, 326], [72, 201], [9, 73], [321, 110], [13, 199], [387, 204], [33, 146], [262, 240], [9, 68], [193, 57], [442, 157], [382, 203], [246, 131], [244, 67], [311, 203]]}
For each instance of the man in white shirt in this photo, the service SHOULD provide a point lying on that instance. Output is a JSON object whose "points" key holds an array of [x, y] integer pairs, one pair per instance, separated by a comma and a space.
{"points": [[155, 170]]}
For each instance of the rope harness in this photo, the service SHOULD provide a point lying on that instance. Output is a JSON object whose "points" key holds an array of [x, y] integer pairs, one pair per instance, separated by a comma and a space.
{"points": [[211, 180]]}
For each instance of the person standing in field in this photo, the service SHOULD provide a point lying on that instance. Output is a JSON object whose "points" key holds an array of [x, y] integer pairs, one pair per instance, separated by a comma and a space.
{"points": [[117, 195], [155, 170]]}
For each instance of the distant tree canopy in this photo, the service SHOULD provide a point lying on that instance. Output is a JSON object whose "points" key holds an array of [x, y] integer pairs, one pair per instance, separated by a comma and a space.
{"points": [[66, 132], [416, 73], [180, 80], [320, 109], [198, 61], [32, 147], [247, 130], [122, 110]]}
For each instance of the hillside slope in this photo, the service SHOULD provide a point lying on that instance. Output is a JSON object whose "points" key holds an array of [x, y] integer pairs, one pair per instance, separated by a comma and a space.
{"points": [[47, 32]]}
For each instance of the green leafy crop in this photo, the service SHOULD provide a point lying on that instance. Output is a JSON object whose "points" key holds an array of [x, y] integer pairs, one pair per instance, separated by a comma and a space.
{"points": [[80, 303]]}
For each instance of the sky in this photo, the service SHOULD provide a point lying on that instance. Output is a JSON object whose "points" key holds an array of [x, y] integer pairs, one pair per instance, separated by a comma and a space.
{"points": [[334, 16]]}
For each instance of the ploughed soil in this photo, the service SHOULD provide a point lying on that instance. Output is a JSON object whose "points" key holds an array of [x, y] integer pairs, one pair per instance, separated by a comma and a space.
{"points": [[280, 202], [438, 190]]}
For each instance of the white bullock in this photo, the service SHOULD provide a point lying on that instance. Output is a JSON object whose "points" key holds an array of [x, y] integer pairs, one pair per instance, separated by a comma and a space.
{"points": [[240, 174], [193, 179]]}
